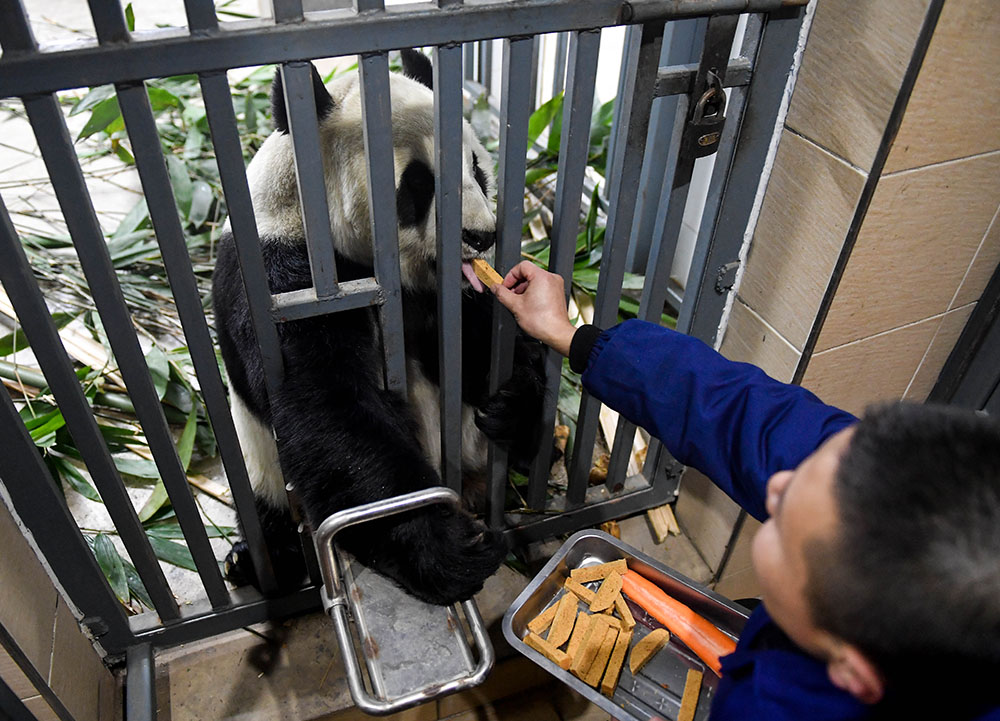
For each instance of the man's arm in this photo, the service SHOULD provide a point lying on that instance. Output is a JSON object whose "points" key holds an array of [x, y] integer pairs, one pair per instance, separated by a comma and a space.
{"points": [[729, 420]]}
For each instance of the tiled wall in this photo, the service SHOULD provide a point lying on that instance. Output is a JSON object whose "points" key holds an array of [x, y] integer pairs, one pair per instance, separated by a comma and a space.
{"points": [[929, 241], [45, 631]]}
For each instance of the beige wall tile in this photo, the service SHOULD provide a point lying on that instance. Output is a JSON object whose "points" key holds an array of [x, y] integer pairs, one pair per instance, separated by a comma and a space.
{"points": [[944, 340], [27, 596], [110, 699], [919, 237], [749, 339], [851, 71], [873, 369], [706, 515], [738, 579], [14, 677], [810, 201], [982, 268], [948, 116], [40, 709], [77, 670]]}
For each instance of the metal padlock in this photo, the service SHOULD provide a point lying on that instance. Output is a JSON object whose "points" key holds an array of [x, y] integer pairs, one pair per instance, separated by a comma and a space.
{"points": [[708, 117]]}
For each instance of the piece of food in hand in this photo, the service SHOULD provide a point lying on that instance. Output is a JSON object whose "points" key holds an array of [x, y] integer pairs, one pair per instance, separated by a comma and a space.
{"points": [[543, 620], [605, 596], [647, 648], [615, 663], [601, 570], [579, 631], [562, 625], [596, 671], [553, 654], [484, 271], [689, 701], [699, 634]]}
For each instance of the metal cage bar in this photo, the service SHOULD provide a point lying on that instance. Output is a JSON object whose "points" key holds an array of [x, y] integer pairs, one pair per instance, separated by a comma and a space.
{"points": [[514, 114], [635, 120], [140, 683], [448, 159], [303, 127], [377, 112], [201, 15], [573, 144]]}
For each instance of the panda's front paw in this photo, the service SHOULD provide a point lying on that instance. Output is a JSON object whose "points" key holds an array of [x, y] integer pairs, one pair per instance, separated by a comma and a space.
{"points": [[511, 415], [238, 567]]}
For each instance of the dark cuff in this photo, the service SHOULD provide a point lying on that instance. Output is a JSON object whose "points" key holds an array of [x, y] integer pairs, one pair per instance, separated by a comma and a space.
{"points": [[579, 348]]}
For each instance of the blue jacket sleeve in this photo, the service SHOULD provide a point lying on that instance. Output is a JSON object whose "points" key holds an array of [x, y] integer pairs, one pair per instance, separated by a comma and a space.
{"points": [[729, 420]]}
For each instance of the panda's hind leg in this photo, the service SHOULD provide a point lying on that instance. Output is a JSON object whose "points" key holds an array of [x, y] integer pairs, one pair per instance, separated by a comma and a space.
{"points": [[283, 544]]}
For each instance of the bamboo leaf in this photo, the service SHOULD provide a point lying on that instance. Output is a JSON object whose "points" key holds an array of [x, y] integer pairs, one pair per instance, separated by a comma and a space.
{"points": [[130, 18], [137, 217], [155, 501], [201, 203], [135, 585], [159, 369], [17, 340], [180, 181], [102, 116], [92, 98], [173, 553], [138, 467], [186, 443], [541, 118], [76, 480], [111, 563]]}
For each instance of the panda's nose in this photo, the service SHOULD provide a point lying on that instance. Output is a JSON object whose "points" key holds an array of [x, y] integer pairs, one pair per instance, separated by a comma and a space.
{"points": [[479, 239]]}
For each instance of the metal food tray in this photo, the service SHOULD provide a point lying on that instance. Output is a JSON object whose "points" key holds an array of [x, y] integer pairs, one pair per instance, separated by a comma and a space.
{"points": [[655, 692]]}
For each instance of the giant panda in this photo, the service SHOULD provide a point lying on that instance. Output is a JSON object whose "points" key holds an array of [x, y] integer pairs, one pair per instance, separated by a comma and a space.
{"points": [[345, 440]]}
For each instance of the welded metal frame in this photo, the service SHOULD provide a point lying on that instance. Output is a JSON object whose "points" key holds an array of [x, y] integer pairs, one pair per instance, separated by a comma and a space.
{"points": [[208, 49]]}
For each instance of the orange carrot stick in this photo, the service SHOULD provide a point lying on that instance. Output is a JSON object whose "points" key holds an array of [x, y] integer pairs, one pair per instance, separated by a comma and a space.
{"points": [[700, 635]]}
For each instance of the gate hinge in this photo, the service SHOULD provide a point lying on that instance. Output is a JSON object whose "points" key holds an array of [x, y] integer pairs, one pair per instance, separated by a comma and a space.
{"points": [[726, 277], [94, 626]]}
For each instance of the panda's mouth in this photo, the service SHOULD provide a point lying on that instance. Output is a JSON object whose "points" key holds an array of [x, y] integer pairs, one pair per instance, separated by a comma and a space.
{"points": [[470, 275]]}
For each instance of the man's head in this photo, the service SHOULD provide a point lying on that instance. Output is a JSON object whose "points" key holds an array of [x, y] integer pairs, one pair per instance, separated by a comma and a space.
{"points": [[882, 553]]}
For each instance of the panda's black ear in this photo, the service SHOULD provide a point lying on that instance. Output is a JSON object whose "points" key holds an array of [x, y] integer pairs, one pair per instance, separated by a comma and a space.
{"points": [[279, 113], [417, 66]]}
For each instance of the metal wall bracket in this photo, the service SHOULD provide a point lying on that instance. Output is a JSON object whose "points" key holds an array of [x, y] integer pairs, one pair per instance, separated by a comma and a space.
{"points": [[725, 278], [414, 651]]}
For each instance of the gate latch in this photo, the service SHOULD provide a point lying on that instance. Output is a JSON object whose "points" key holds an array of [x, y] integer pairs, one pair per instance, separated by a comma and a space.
{"points": [[707, 119]]}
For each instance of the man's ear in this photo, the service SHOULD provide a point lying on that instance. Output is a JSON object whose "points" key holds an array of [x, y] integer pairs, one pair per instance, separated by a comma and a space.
{"points": [[852, 671]]}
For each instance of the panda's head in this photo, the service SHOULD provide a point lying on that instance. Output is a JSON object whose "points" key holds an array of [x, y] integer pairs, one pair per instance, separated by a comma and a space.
{"points": [[273, 186]]}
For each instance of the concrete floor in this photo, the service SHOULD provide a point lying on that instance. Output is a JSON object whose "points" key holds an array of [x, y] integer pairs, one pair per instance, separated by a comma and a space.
{"points": [[292, 671]]}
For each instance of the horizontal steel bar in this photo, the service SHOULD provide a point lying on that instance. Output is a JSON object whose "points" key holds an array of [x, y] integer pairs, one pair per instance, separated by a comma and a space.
{"points": [[298, 304], [679, 79], [175, 52], [200, 621]]}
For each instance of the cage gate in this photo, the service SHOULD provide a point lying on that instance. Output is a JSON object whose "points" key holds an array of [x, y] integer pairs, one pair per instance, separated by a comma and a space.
{"points": [[651, 162]]}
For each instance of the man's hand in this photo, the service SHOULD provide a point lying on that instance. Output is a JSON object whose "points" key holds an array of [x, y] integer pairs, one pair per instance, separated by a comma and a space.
{"points": [[537, 299]]}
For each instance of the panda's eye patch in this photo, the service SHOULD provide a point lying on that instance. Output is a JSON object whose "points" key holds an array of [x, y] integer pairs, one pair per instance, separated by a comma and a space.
{"points": [[478, 173], [415, 193]]}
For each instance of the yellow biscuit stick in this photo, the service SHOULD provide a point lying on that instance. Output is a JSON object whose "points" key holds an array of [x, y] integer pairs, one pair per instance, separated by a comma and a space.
{"points": [[606, 594], [595, 573], [689, 701], [484, 271], [553, 654], [562, 625], [582, 592], [579, 631], [543, 620], [623, 611], [647, 648], [596, 671], [615, 664]]}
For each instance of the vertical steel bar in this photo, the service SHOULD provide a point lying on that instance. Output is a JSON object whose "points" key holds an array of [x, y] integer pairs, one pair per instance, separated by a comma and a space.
{"points": [[448, 158], [514, 115], [559, 71], [574, 142], [287, 11], [469, 58], [229, 156], [15, 30], [297, 85], [140, 684], [626, 77], [109, 21], [533, 80], [201, 16], [636, 122], [26, 296], [376, 110], [41, 507]]}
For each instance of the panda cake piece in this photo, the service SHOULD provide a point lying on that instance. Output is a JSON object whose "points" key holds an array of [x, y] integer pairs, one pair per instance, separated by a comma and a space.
{"points": [[345, 440]]}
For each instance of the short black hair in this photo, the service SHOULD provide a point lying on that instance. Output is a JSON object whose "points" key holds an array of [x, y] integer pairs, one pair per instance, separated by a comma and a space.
{"points": [[913, 576]]}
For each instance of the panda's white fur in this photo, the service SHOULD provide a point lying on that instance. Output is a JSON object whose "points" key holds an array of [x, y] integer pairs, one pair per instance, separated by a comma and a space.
{"points": [[344, 439], [273, 188]]}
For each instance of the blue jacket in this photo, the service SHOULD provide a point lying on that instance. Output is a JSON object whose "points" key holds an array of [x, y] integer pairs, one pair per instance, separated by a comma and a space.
{"points": [[737, 426]]}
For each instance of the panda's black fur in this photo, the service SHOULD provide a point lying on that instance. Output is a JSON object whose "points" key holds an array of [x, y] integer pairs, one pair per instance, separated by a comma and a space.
{"points": [[344, 440]]}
